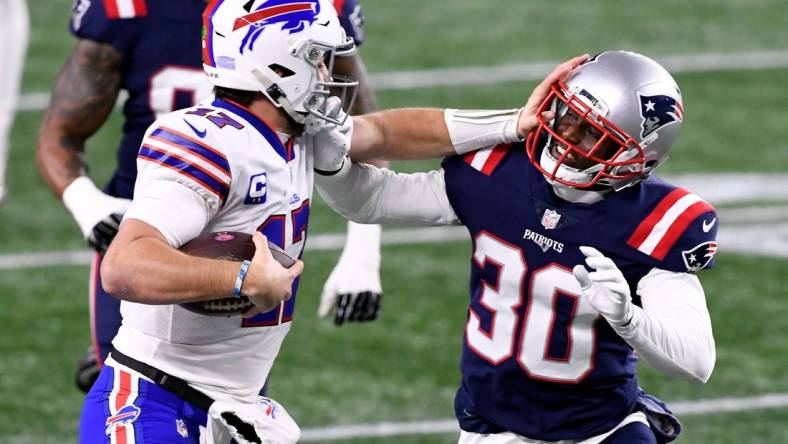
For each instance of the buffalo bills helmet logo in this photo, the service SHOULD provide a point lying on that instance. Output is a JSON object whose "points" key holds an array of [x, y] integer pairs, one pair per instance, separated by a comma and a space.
{"points": [[658, 111], [293, 15]]}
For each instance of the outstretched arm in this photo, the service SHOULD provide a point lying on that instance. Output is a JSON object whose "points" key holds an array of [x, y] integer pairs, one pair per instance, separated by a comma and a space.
{"points": [[423, 133], [367, 194]]}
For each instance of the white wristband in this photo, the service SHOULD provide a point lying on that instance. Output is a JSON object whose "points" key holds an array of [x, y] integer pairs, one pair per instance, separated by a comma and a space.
{"points": [[363, 243], [89, 205], [474, 129]]}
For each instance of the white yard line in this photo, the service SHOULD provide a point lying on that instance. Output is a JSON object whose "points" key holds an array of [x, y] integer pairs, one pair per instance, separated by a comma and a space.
{"points": [[681, 408], [481, 75]]}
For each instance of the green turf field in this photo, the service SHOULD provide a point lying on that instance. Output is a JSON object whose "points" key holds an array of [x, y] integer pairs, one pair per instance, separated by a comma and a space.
{"points": [[404, 366]]}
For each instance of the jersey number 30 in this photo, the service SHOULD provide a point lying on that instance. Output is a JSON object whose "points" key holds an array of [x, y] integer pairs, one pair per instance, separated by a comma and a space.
{"points": [[554, 338]]}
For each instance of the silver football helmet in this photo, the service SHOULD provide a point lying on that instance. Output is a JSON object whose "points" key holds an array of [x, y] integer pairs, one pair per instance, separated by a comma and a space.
{"points": [[634, 108]]}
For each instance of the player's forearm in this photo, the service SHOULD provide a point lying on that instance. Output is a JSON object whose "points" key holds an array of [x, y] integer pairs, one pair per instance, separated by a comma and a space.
{"points": [[401, 134], [83, 96], [673, 330], [148, 271], [59, 159], [678, 347], [366, 194]]}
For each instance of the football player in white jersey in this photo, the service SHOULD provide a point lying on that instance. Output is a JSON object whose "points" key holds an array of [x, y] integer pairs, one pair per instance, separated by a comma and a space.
{"points": [[241, 162]]}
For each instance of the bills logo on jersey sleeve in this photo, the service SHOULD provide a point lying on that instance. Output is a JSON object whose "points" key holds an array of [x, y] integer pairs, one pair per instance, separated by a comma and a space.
{"points": [[658, 111], [699, 257]]}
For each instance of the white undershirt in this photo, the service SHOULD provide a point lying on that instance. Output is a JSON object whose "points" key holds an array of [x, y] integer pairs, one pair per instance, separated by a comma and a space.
{"points": [[672, 331]]}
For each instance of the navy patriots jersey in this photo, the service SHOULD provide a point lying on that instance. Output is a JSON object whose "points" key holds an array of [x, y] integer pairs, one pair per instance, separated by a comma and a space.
{"points": [[161, 45], [538, 360]]}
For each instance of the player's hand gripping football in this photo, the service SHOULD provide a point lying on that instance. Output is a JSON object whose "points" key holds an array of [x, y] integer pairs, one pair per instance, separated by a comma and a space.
{"points": [[605, 287], [267, 283], [353, 289], [97, 214], [527, 121], [331, 141]]}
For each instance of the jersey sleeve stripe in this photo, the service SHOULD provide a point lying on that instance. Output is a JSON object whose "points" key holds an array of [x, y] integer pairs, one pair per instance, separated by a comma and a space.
{"points": [[194, 157], [496, 156], [201, 177], [672, 225], [487, 159], [125, 8], [201, 149], [339, 5], [187, 158], [678, 227], [645, 227]]}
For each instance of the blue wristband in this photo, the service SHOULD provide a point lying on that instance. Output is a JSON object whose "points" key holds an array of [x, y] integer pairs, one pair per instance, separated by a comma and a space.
{"points": [[239, 280]]}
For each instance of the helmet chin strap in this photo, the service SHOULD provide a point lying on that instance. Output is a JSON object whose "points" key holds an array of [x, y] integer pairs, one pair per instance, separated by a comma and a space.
{"points": [[566, 192], [273, 92]]}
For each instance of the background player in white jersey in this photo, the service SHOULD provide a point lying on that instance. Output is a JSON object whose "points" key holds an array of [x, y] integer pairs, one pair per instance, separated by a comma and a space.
{"points": [[549, 346], [240, 162], [14, 31], [151, 49]]}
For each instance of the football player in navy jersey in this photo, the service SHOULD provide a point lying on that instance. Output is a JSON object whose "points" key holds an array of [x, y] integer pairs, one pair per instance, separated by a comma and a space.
{"points": [[151, 49], [582, 260]]}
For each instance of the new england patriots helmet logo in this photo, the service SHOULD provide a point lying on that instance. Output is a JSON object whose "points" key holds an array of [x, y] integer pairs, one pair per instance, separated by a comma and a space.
{"points": [[658, 111], [293, 15]]}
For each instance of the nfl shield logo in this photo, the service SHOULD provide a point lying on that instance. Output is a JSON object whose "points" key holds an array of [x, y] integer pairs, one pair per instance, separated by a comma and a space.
{"points": [[550, 219]]}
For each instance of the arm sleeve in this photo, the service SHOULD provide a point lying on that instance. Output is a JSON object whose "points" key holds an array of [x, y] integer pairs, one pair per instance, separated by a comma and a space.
{"points": [[177, 211], [367, 194], [672, 331]]}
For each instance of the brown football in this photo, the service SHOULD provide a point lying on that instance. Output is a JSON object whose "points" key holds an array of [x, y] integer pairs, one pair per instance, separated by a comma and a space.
{"points": [[232, 246]]}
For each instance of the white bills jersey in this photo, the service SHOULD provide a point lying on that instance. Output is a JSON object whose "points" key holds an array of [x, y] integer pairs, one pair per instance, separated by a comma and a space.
{"points": [[217, 167]]}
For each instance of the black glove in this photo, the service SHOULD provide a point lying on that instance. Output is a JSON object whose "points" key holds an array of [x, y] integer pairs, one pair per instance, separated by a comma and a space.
{"points": [[103, 232], [361, 307]]}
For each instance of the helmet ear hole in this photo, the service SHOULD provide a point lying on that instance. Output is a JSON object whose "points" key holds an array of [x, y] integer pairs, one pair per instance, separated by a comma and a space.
{"points": [[281, 71]]}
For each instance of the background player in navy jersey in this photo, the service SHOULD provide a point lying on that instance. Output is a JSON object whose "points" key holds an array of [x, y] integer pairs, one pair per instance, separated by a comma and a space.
{"points": [[151, 49], [581, 258]]}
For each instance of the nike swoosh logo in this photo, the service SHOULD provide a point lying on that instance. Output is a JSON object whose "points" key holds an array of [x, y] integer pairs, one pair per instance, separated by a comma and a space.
{"points": [[200, 134], [325, 24], [707, 225]]}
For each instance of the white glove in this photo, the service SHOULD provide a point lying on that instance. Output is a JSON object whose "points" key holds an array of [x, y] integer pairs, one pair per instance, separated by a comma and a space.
{"points": [[331, 141], [605, 288], [266, 420], [353, 287], [97, 214]]}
